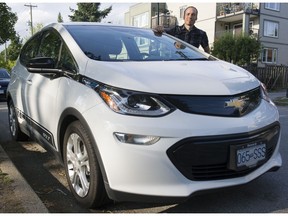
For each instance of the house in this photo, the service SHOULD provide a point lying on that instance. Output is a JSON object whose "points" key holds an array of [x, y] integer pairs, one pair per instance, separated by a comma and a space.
{"points": [[268, 22]]}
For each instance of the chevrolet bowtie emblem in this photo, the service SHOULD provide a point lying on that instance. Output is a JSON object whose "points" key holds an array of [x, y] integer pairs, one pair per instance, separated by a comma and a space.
{"points": [[236, 103]]}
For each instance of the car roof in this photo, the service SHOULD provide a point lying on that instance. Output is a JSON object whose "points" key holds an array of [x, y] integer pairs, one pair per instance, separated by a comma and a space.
{"points": [[90, 24]]}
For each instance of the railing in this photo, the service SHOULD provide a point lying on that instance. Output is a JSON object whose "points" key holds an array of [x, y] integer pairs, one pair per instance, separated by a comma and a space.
{"points": [[224, 9], [274, 77], [165, 20]]}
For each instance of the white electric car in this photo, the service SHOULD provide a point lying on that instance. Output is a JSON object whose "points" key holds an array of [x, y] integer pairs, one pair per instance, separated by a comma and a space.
{"points": [[140, 117]]}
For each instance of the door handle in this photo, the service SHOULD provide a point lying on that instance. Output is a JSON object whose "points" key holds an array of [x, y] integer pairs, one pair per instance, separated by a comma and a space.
{"points": [[29, 82]]}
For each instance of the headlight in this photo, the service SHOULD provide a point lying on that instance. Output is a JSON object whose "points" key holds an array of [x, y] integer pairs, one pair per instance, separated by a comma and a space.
{"points": [[134, 103]]}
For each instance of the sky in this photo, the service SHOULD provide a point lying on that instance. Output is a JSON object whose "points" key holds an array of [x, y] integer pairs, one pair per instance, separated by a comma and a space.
{"points": [[46, 13]]}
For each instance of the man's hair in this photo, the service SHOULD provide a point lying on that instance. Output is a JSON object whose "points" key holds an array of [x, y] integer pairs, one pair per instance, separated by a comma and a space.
{"points": [[190, 7]]}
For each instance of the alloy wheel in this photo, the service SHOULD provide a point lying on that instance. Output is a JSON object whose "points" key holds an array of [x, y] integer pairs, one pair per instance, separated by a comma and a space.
{"points": [[78, 165]]}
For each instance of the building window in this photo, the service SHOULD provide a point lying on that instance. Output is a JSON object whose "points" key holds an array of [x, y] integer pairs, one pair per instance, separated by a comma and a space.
{"points": [[272, 6], [271, 28], [141, 20], [269, 55]]}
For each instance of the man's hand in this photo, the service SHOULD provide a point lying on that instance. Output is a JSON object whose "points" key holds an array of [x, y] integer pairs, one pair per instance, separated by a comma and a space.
{"points": [[158, 30]]}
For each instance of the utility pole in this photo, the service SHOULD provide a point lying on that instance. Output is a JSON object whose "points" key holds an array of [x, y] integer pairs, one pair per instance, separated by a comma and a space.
{"points": [[158, 15], [31, 22]]}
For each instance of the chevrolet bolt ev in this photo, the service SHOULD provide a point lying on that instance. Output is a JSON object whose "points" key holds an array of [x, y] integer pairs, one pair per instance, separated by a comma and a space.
{"points": [[136, 116]]}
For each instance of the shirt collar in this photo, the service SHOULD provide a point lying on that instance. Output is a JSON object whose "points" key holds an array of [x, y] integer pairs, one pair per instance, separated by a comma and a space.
{"points": [[183, 27]]}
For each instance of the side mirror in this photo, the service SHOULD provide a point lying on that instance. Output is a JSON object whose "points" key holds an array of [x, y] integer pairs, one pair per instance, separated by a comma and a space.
{"points": [[46, 66], [42, 65]]}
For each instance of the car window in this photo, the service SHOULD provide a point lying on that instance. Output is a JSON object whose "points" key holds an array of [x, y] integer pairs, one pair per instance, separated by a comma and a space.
{"points": [[66, 61], [50, 46], [30, 49], [107, 43]]}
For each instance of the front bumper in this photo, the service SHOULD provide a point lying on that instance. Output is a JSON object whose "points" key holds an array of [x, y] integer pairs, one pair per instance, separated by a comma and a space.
{"points": [[138, 172]]}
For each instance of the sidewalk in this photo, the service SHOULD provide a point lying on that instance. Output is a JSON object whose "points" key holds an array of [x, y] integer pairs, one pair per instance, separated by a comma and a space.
{"points": [[277, 94], [22, 193]]}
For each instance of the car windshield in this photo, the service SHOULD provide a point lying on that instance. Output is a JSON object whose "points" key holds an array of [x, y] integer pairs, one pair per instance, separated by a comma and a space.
{"points": [[4, 74], [113, 43]]}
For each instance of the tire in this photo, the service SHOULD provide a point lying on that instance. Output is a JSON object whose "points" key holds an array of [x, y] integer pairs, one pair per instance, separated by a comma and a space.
{"points": [[14, 128], [82, 168]]}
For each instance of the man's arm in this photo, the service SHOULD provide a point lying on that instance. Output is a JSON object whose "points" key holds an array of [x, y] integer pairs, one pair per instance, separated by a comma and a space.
{"points": [[159, 30], [205, 43], [207, 49]]}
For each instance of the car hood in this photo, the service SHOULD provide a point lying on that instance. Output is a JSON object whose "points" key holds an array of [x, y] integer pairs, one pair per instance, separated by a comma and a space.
{"points": [[174, 77]]}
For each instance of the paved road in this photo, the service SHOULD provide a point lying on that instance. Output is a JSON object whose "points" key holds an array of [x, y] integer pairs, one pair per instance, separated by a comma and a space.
{"points": [[267, 194]]}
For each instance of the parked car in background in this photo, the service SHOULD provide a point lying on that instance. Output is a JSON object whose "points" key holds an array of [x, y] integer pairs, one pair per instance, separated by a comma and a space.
{"points": [[4, 81], [140, 117]]}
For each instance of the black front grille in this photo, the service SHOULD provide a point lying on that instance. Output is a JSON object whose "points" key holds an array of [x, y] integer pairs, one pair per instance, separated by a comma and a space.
{"points": [[207, 158], [228, 106]]}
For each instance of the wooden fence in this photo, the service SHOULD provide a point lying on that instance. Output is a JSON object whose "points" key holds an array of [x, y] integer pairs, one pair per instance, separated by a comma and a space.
{"points": [[274, 77]]}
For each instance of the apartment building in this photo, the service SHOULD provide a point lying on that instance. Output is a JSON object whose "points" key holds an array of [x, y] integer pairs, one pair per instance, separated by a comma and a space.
{"points": [[268, 22]]}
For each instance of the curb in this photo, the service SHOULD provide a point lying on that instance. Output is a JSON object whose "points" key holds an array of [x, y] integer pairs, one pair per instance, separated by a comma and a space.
{"points": [[23, 191]]}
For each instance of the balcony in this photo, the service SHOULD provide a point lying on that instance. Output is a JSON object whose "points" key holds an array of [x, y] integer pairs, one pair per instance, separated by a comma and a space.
{"points": [[231, 12], [165, 20]]}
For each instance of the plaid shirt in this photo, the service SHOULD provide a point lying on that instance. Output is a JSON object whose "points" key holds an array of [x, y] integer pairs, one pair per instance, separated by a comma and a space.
{"points": [[195, 36]]}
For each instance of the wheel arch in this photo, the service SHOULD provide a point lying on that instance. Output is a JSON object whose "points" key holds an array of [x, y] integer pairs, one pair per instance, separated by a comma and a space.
{"points": [[68, 116], [9, 98]]}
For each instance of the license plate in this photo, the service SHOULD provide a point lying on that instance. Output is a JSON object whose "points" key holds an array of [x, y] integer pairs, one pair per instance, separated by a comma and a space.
{"points": [[248, 155], [1, 91]]}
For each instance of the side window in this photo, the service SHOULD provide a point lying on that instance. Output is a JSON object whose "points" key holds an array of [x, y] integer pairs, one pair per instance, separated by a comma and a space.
{"points": [[50, 46], [30, 49], [66, 60]]}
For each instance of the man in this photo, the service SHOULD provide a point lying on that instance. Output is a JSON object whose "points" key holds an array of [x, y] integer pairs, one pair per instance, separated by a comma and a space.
{"points": [[188, 31]]}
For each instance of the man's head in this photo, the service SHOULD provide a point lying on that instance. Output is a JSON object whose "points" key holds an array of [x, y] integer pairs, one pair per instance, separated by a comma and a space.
{"points": [[190, 15]]}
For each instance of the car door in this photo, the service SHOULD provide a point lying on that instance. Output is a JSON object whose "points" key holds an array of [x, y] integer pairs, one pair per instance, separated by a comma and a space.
{"points": [[41, 92]]}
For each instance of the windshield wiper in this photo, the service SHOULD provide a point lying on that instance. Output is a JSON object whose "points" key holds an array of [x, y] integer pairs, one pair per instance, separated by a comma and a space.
{"points": [[187, 58], [182, 55]]}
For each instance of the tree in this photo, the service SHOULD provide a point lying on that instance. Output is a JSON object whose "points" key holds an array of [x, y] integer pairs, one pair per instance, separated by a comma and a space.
{"points": [[89, 12], [8, 20], [36, 27], [241, 49], [60, 18], [223, 47], [14, 48]]}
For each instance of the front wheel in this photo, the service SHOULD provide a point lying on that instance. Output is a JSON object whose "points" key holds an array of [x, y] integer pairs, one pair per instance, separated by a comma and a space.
{"points": [[82, 167]]}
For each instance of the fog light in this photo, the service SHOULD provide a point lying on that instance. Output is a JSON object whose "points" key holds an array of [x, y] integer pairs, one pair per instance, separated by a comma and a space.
{"points": [[136, 139]]}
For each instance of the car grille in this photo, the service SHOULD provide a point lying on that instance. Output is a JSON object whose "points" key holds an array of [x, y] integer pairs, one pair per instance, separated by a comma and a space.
{"points": [[228, 106], [207, 158]]}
